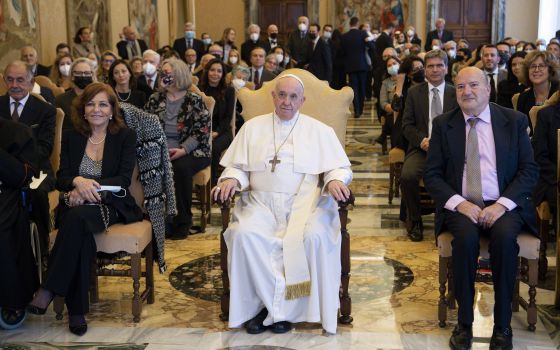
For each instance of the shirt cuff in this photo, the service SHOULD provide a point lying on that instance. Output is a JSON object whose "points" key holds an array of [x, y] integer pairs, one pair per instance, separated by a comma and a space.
{"points": [[506, 202], [341, 174], [453, 202], [239, 175]]}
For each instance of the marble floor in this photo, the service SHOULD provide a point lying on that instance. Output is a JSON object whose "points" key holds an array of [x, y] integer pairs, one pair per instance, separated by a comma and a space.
{"points": [[393, 286]]}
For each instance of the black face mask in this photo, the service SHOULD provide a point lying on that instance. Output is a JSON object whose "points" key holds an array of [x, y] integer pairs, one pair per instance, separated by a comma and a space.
{"points": [[82, 82], [312, 36], [418, 77], [273, 35], [504, 58]]}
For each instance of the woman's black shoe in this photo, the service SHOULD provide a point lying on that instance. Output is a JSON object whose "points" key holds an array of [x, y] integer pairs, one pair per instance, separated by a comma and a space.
{"points": [[36, 310], [79, 329]]}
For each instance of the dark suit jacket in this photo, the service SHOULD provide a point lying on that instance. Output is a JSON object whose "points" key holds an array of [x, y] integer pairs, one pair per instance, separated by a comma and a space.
{"points": [[516, 169], [416, 112], [353, 48], [142, 85], [445, 37], [265, 76], [297, 47], [268, 47], [180, 45], [47, 94], [383, 41], [119, 158], [248, 46], [123, 53], [545, 141], [41, 117], [319, 60], [42, 70]]}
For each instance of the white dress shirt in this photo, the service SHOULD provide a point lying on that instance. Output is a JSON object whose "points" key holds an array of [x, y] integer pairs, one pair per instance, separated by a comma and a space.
{"points": [[441, 90]]}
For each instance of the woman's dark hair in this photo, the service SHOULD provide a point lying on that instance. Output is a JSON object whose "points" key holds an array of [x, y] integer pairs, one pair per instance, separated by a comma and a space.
{"points": [[467, 52], [477, 53], [77, 38], [511, 77], [533, 46], [131, 81], [204, 84], [408, 64], [79, 106]]}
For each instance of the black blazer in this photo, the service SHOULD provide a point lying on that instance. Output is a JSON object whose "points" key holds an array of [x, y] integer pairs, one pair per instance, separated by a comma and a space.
{"points": [[142, 85], [445, 37], [268, 46], [319, 60], [383, 41], [41, 117], [180, 45], [545, 141], [297, 47], [248, 46], [42, 70], [416, 112], [353, 48], [526, 101], [119, 158], [123, 53], [47, 94], [516, 169], [265, 76]]}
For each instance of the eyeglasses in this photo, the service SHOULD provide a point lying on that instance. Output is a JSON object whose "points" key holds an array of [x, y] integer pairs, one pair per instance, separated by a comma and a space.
{"points": [[82, 74], [537, 67]]}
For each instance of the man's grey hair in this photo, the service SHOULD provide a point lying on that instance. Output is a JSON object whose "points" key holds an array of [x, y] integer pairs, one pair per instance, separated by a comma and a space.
{"points": [[29, 73], [152, 52], [253, 25], [242, 69], [436, 54], [28, 47]]}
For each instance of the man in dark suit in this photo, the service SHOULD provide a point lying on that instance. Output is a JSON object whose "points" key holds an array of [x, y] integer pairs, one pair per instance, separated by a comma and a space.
{"points": [[298, 40], [490, 64], [149, 81], [482, 190], [253, 42], [272, 40], [384, 41], [20, 106], [258, 74], [438, 33], [424, 102], [29, 56], [319, 61], [353, 48], [188, 42], [131, 47]]}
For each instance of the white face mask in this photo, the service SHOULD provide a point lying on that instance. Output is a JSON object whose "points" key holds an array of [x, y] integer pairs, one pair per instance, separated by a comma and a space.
{"points": [[393, 70], [233, 60], [238, 83], [254, 36], [286, 59], [64, 69], [410, 33], [302, 27], [327, 35], [435, 47], [149, 69], [452, 53], [542, 47], [279, 58]]}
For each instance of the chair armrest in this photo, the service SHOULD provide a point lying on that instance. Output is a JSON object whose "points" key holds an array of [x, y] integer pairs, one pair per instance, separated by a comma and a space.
{"points": [[347, 204]]}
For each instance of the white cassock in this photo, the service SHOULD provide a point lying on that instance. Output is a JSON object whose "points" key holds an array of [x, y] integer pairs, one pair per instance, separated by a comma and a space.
{"points": [[256, 238]]}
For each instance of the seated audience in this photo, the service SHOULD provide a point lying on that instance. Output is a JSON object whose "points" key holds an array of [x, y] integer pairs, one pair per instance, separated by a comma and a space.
{"points": [[191, 59], [189, 41], [282, 58], [228, 43], [541, 77], [187, 125], [98, 151], [234, 58], [512, 85], [271, 64], [463, 55], [63, 49], [554, 48], [29, 56], [83, 44], [490, 66], [148, 82], [131, 46], [213, 84], [60, 71], [203, 62], [107, 59], [386, 94], [124, 84], [254, 41], [206, 40], [136, 66], [258, 74], [529, 47]]}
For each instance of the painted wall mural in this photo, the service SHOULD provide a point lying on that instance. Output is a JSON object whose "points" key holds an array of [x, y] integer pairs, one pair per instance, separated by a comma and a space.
{"points": [[375, 12], [19, 26]]}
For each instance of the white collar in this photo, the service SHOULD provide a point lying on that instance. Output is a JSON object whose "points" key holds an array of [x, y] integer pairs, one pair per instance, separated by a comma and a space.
{"points": [[484, 115], [23, 101], [441, 87], [290, 122]]}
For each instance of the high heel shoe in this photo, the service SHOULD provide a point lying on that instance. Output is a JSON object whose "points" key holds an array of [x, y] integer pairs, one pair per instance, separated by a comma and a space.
{"points": [[36, 310], [79, 329], [77, 324]]}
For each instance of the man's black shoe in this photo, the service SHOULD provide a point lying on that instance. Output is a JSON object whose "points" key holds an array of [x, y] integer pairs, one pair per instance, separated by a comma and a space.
{"points": [[416, 232], [255, 325], [461, 338], [281, 327], [501, 339], [381, 139]]}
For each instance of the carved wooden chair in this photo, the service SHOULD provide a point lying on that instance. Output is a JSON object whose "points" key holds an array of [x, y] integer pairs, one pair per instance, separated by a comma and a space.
{"points": [[123, 245], [332, 108], [396, 161]]}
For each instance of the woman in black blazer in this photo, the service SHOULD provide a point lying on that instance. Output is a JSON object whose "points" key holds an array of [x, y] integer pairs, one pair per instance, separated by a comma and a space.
{"points": [[99, 151]]}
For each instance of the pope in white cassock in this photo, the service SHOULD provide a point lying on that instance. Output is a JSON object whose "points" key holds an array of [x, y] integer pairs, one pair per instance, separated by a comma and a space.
{"points": [[284, 238]]}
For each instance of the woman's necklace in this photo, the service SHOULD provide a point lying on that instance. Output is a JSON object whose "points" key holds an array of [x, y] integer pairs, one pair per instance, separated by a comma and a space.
{"points": [[275, 160], [124, 99], [543, 100], [97, 142]]}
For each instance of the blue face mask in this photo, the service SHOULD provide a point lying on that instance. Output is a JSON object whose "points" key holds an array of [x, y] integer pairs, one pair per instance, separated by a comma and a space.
{"points": [[189, 34]]}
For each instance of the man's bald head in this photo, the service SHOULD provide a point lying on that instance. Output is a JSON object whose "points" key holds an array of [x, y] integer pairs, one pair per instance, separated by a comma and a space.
{"points": [[129, 33], [473, 90], [288, 97]]}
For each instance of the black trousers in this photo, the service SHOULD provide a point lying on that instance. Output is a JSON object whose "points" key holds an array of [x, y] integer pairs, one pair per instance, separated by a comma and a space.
{"points": [[219, 144], [339, 77], [73, 253], [503, 259], [184, 169], [358, 84], [412, 171]]}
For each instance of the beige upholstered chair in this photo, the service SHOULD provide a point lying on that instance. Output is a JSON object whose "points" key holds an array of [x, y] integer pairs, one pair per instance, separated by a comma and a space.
{"points": [[3, 86], [330, 107], [201, 180], [46, 82], [514, 100], [55, 159], [528, 270], [396, 161], [119, 243]]}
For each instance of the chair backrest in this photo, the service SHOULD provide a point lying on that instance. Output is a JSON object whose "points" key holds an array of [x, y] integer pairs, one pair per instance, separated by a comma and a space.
{"points": [[514, 100], [553, 99], [3, 86], [55, 154], [327, 105], [46, 82], [208, 100]]}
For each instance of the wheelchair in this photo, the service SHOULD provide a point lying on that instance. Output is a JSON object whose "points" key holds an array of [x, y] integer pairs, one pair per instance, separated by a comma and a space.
{"points": [[9, 318]]}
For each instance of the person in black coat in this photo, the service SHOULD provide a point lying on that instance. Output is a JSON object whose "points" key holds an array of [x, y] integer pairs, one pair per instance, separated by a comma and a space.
{"points": [[297, 42], [339, 74], [511, 86], [353, 46], [439, 33], [100, 151], [319, 60], [17, 264], [188, 42], [123, 82], [30, 57], [253, 42], [131, 47]]}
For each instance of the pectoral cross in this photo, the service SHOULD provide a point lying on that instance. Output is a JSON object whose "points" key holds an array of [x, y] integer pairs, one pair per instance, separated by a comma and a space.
{"points": [[274, 161]]}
